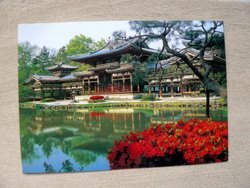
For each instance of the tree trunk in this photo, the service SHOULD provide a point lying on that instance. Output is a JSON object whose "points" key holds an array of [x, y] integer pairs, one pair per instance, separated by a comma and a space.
{"points": [[207, 103], [172, 88], [181, 86], [160, 90]]}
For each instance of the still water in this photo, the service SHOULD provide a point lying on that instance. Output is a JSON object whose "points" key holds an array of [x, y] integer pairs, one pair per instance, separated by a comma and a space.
{"points": [[66, 141]]}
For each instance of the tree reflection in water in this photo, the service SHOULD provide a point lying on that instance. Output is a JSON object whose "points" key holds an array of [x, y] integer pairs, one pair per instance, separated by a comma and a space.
{"points": [[67, 166], [82, 138]]}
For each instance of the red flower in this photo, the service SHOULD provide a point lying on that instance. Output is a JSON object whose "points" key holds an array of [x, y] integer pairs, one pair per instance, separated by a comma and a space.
{"points": [[96, 97], [192, 142]]}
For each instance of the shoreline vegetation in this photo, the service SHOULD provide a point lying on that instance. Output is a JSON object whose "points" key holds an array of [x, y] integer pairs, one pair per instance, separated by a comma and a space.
{"points": [[220, 102]]}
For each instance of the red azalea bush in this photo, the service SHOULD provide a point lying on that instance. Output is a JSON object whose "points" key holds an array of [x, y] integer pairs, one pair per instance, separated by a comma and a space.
{"points": [[193, 142], [96, 98]]}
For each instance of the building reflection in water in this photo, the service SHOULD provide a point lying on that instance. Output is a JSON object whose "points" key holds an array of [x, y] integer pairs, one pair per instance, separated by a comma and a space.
{"points": [[86, 135]]}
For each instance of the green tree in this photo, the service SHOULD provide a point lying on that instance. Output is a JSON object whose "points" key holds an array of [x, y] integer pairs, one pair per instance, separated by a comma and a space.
{"points": [[31, 61], [42, 61], [26, 53], [99, 44], [61, 56], [81, 44]]}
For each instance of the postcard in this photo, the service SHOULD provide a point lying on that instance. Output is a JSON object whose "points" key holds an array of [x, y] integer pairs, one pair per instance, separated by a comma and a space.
{"points": [[106, 95]]}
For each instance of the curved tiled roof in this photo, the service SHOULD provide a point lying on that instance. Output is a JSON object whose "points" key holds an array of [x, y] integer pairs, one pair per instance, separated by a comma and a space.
{"points": [[53, 79], [209, 55], [122, 68], [62, 66], [113, 47], [83, 73], [105, 66]]}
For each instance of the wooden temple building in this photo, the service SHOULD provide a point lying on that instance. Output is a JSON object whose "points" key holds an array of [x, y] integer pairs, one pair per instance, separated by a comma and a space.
{"points": [[109, 75], [179, 81], [58, 85], [106, 75]]}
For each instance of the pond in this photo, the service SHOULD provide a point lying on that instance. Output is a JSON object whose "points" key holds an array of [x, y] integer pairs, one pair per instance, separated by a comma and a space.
{"points": [[64, 141]]}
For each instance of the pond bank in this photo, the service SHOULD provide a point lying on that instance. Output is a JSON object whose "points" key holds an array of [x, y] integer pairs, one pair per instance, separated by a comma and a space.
{"points": [[163, 103]]}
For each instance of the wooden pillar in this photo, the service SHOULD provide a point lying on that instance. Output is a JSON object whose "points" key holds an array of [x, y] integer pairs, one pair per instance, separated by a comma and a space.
{"points": [[64, 93], [123, 84], [88, 86], [52, 92], [118, 85], [98, 86], [112, 84], [172, 88], [149, 88], [83, 86], [82, 89], [160, 89], [71, 95], [34, 95], [138, 88], [60, 92], [181, 86], [42, 93], [95, 87], [131, 83]]}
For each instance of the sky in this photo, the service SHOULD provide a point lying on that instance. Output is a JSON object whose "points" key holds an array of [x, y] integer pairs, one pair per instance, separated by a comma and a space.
{"points": [[56, 35]]}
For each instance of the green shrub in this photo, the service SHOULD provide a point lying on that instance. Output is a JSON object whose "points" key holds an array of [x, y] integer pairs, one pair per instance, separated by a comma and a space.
{"points": [[48, 100], [148, 97]]}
